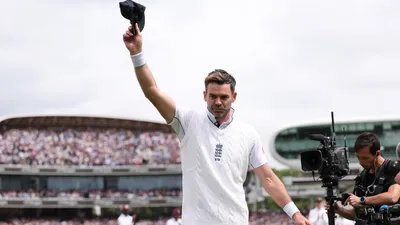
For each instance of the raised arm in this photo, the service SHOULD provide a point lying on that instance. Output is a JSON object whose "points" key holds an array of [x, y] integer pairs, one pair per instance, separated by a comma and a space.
{"points": [[164, 104]]}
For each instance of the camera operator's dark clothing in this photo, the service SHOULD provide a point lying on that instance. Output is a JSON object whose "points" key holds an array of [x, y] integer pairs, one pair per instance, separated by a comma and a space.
{"points": [[371, 184]]}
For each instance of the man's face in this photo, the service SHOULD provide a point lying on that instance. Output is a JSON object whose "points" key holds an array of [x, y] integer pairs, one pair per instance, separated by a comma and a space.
{"points": [[365, 157], [219, 99], [318, 204]]}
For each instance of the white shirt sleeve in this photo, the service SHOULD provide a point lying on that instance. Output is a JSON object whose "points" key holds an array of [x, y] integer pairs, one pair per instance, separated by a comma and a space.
{"points": [[318, 216], [257, 153], [181, 121], [119, 220], [313, 216], [171, 222], [325, 217]]}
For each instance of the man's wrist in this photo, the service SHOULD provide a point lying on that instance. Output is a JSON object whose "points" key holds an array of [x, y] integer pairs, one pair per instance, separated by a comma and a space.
{"points": [[291, 209], [138, 59], [135, 52], [363, 200], [298, 214]]}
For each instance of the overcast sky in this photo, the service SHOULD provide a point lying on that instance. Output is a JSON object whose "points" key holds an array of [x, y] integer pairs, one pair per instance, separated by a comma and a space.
{"points": [[294, 61]]}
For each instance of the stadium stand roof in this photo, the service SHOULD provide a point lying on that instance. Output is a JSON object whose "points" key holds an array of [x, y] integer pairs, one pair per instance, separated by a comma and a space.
{"points": [[295, 163], [338, 120], [76, 120]]}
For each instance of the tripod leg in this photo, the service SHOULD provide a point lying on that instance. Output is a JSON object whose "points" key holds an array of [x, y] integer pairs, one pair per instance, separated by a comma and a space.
{"points": [[330, 198]]}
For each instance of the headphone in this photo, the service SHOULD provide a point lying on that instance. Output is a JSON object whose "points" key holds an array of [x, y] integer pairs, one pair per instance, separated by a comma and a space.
{"points": [[377, 153], [371, 187]]}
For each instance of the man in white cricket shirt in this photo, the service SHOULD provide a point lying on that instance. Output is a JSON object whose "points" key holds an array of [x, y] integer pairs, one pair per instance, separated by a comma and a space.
{"points": [[124, 218], [216, 149], [318, 214], [175, 220]]}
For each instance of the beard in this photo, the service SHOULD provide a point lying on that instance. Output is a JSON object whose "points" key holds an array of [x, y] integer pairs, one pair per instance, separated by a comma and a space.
{"points": [[219, 112]]}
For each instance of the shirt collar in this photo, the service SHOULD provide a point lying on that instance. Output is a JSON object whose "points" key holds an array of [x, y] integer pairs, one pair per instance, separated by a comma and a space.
{"points": [[211, 117]]}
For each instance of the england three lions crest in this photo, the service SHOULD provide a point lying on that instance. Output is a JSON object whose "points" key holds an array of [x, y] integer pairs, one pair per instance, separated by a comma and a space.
{"points": [[218, 152]]}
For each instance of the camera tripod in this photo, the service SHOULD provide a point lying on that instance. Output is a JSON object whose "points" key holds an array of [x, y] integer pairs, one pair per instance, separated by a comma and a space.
{"points": [[330, 198]]}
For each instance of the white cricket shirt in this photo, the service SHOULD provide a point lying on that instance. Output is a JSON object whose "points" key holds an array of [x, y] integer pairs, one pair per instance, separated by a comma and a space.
{"points": [[318, 216], [215, 161], [172, 221], [125, 220]]}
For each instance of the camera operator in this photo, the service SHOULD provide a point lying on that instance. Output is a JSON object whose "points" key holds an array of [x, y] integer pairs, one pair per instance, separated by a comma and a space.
{"points": [[373, 186], [394, 166]]}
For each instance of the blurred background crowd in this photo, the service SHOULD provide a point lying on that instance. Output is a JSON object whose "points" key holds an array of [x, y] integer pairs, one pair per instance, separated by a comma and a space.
{"points": [[93, 194], [260, 218], [90, 147]]}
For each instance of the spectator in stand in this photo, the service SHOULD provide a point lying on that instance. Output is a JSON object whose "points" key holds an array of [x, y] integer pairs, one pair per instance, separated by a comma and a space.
{"points": [[318, 215], [176, 218], [124, 218]]}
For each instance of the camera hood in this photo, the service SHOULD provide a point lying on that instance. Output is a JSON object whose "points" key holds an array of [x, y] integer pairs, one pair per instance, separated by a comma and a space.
{"points": [[311, 160]]}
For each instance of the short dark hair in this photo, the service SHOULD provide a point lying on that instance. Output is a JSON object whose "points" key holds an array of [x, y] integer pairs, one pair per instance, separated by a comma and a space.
{"points": [[368, 139], [220, 76]]}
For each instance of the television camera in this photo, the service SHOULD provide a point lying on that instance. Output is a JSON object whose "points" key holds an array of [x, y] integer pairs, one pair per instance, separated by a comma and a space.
{"points": [[331, 162]]}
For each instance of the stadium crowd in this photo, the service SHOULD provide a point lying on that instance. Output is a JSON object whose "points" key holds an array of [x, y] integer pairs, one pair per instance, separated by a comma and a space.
{"points": [[86, 222], [269, 218], [261, 218], [96, 194], [89, 147]]}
